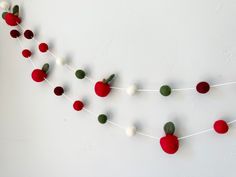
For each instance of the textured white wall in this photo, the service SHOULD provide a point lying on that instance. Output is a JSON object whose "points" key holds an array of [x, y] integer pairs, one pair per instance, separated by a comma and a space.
{"points": [[147, 42]]}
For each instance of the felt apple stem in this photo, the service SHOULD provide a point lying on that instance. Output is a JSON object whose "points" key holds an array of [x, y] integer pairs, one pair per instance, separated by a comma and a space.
{"points": [[109, 79], [16, 10], [45, 68]]}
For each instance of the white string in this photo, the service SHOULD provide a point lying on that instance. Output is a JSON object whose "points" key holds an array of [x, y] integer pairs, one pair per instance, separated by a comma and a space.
{"points": [[141, 90]]}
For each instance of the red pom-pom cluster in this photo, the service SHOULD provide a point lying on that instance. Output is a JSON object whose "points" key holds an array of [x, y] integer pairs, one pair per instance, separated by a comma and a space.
{"points": [[78, 105], [28, 34], [11, 19], [43, 47], [203, 87], [221, 127], [59, 91], [15, 33], [38, 75], [26, 53]]}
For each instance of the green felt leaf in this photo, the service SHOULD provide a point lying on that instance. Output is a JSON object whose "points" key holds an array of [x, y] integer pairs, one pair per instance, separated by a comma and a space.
{"points": [[45, 67], [110, 78], [16, 10], [3, 15], [169, 128]]}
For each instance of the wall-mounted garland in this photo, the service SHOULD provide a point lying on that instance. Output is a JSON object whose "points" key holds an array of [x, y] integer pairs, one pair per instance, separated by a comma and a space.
{"points": [[102, 88]]}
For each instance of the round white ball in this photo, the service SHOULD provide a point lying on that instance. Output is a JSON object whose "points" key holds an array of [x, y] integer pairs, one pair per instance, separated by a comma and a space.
{"points": [[131, 131], [60, 61], [5, 5], [131, 90]]}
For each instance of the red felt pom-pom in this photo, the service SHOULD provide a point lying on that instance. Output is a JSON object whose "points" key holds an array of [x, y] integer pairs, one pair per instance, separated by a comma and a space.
{"points": [[38, 75], [169, 144], [28, 34], [203, 87], [12, 20], [78, 105], [15, 33], [58, 91], [102, 89], [221, 127], [26, 53], [43, 47]]}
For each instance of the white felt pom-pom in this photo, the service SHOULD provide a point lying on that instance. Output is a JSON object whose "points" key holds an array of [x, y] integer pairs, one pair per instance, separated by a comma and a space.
{"points": [[60, 61], [131, 131], [131, 90], [5, 5]]}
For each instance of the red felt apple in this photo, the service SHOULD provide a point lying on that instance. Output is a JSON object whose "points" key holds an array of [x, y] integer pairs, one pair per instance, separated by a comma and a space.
{"points": [[39, 75], [170, 142], [11, 19], [103, 88]]}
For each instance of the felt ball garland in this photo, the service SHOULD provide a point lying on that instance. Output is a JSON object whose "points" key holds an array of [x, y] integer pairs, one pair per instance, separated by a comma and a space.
{"points": [[28, 34], [102, 118], [43, 47], [165, 90], [203, 87], [58, 91], [221, 127], [103, 88], [15, 33], [78, 105], [80, 74], [26, 53]]}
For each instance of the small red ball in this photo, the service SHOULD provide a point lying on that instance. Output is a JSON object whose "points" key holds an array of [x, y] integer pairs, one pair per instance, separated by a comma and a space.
{"points": [[78, 105], [221, 127], [38, 75], [26, 53], [28, 34], [203, 87], [15, 33], [12, 20], [58, 91], [43, 47]]}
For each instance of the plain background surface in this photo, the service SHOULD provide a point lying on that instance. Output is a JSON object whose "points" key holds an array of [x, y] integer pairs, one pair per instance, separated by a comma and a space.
{"points": [[152, 42]]}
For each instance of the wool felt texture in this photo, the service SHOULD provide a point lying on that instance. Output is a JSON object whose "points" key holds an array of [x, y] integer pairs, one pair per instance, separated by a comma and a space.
{"points": [[58, 91], [28, 34], [103, 88], [203, 87], [11, 19], [165, 90], [26, 53], [221, 127], [38, 75], [15, 33], [43, 47], [78, 105], [102, 118], [80, 74]]}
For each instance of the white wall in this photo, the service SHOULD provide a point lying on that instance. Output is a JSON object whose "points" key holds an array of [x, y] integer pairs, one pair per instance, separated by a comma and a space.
{"points": [[149, 42]]}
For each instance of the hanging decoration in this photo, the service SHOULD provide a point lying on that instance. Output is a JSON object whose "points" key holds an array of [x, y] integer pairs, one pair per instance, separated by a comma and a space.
{"points": [[169, 143]]}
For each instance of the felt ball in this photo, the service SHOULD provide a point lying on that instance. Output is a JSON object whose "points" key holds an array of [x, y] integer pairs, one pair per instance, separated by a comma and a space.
{"points": [[5, 5], [26, 53], [165, 90], [11, 19], [169, 144], [78, 105], [102, 118], [221, 127], [102, 89], [38, 75], [15, 33], [43, 47], [60, 61], [131, 90], [58, 91], [131, 131], [28, 34], [80, 74], [203, 87]]}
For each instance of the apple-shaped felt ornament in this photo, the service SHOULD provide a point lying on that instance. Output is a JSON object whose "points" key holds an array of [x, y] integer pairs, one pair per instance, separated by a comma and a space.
{"points": [[12, 19], [39, 75], [169, 143], [103, 88]]}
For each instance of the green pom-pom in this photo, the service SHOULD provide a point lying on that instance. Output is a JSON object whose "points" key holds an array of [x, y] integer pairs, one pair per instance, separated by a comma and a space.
{"points": [[45, 67], [16, 10], [3, 15], [165, 90], [80, 74], [102, 118], [169, 128]]}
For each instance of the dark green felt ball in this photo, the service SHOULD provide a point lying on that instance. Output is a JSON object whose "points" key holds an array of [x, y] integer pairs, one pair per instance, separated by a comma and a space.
{"points": [[165, 90], [80, 74], [102, 118]]}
